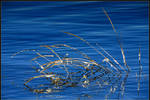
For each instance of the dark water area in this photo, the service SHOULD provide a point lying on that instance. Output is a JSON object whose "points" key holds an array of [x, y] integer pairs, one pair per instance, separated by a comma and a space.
{"points": [[27, 25]]}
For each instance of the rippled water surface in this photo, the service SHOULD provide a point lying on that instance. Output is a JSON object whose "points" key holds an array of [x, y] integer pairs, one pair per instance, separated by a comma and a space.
{"points": [[27, 25]]}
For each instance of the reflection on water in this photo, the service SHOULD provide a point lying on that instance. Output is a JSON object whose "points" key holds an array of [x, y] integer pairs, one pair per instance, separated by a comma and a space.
{"points": [[88, 64]]}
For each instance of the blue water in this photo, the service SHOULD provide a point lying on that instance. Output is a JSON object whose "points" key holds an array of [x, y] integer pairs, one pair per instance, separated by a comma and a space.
{"points": [[27, 25]]}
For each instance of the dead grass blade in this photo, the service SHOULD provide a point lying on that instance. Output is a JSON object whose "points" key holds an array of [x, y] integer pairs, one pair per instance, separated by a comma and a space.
{"points": [[122, 51]]}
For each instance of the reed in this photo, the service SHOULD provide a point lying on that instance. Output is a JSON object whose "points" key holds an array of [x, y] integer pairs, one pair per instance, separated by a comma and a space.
{"points": [[87, 70], [140, 71]]}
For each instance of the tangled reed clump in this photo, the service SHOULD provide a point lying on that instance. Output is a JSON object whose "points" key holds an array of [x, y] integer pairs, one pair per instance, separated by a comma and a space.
{"points": [[60, 72]]}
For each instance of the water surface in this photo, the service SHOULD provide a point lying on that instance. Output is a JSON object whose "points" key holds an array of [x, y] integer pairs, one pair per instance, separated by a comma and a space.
{"points": [[27, 25]]}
